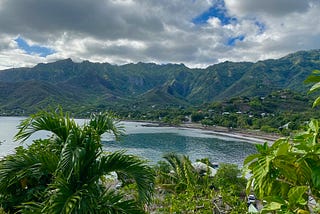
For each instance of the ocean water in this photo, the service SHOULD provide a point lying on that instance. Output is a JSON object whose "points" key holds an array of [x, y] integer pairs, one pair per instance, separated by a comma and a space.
{"points": [[151, 143]]}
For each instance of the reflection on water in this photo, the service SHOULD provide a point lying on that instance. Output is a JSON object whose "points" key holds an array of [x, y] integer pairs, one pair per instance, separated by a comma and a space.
{"points": [[151, 142], [153, 146]]}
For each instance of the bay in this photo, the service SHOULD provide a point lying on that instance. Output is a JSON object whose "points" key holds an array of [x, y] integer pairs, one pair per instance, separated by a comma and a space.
{"points": [[150, 142]]}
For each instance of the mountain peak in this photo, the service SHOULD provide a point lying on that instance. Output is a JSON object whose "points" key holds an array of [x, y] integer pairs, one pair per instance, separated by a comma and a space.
{"points": [[90, 83]]}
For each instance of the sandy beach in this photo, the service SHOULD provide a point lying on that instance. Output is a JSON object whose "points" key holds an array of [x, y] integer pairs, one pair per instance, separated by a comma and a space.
{"points": [[252, 136]]}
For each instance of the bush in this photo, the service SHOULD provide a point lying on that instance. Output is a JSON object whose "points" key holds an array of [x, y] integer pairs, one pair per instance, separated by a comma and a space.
{"points": [[269, 129]]}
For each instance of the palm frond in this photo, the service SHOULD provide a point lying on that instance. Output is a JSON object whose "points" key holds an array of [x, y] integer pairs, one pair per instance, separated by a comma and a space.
{"points": [[26, 165], [56, 122], [132, 167], [114, 202], [183, 170], [89, 198], [30, 207], [74, 167], [106, 122], [64, 198]]}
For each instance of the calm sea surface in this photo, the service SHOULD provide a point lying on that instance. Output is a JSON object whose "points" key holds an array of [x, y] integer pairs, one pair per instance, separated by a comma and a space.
{"points": [[151, 143]]}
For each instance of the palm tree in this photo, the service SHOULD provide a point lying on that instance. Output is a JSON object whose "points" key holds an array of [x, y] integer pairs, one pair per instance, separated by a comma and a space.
{"points": [[25, 175], [75, 168], [181, 174]]}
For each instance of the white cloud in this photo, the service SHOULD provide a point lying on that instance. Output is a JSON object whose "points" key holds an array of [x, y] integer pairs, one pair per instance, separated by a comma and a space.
{"points": [[121, 31], [214, 22]]}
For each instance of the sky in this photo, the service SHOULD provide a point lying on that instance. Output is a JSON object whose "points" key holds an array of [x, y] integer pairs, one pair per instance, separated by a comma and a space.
{"points": [[197, 33]]}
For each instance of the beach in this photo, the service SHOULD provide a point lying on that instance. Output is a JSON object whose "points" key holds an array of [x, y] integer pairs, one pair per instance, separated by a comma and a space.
{"points": [[252, 136], [256, 136]]}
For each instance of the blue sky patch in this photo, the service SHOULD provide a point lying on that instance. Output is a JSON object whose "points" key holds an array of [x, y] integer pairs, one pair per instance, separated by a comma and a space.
{"points": [[219, 11], [232, 40], [261, 27], [33, 49]]}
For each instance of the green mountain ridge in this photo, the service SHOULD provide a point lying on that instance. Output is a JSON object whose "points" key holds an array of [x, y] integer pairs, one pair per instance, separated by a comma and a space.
{"points": [[90, 85]]}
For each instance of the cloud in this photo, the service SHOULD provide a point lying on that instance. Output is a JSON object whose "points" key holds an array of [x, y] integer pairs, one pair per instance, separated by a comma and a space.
{"points": [[101, 19], [193, 32], [271, 7]]}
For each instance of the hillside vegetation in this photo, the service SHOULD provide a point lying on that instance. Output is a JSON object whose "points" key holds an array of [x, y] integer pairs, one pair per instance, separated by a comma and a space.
{"points": [[86, 87]]}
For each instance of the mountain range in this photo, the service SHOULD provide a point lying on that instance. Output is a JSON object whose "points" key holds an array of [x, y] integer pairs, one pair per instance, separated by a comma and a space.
{"points": [[86, 85]]}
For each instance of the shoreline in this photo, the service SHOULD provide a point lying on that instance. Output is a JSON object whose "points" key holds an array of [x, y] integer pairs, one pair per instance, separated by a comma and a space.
{"points": [[251, 136]]}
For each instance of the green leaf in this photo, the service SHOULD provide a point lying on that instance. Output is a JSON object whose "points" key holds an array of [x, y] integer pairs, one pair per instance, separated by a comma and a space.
{"points": [[276, 199], [278, 142], [262, 148], [250, 158], [314, 125], [312, 79], [271, 207], [314, 87], [316, 102], [249, 185], [296, 194], [315, 176], [283, 149]]}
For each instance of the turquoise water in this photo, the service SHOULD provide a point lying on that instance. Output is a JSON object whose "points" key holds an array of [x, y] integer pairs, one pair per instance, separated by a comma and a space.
{"points": [[151, 143]]}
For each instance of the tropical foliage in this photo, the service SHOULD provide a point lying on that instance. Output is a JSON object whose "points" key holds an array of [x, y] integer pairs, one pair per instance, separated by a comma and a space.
{"points": [[287, 174], [314, 78], [181, 174], [69, 172], [66, 173], [185, 188]]}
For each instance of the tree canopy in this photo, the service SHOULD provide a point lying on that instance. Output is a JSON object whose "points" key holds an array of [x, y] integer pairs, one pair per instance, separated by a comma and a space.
{"points": [[66, 173]]}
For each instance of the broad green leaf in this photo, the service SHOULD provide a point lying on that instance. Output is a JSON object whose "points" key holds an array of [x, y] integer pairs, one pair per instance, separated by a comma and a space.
{"points": [[314, 77], [278, 142], [273, 206], [286, 169], [283, 148], [296, 194]]}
